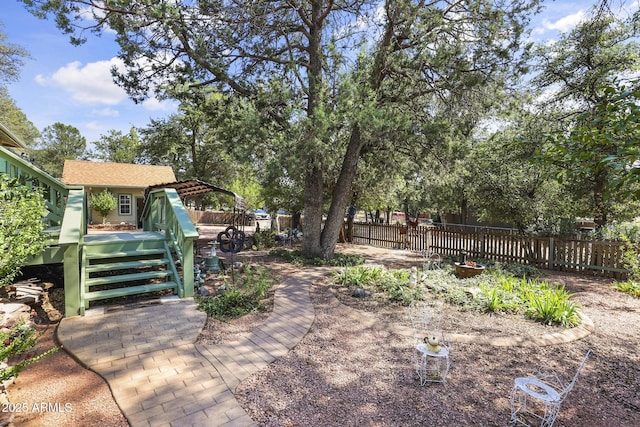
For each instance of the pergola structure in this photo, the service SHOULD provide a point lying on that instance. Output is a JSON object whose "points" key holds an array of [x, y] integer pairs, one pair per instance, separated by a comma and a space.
{"points": [[194, 187]]}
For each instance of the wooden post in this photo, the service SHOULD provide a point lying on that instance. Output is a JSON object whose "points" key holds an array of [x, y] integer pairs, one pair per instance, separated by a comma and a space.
{"points": [[550, 262], [72, 283], [187, 269]]}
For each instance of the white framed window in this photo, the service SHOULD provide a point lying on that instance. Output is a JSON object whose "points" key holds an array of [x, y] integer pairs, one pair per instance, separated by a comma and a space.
{"points": [[124, 204]]}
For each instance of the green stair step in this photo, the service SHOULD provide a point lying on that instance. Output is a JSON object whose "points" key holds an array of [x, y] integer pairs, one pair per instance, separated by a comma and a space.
{"points": [[131, 290], [127, 264], [122, 254], [123, 238], [127, 278]]}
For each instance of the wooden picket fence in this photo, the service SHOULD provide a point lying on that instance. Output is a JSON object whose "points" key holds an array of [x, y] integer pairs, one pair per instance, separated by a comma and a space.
{"points": [[595, 257], [221, 218]]}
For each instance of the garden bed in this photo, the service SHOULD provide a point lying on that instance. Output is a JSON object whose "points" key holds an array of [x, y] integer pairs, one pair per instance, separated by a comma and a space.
{"points": [[347, 372]]}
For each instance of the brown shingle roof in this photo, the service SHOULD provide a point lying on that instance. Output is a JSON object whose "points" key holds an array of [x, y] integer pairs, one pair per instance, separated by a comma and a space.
{"points": [[96, 174]]}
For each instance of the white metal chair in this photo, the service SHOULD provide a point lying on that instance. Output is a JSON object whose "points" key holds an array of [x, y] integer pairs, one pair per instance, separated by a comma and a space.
{"points": [[425, 319], [540, 396]]}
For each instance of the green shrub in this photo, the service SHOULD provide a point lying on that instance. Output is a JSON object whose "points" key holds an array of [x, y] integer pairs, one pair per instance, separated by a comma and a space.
{"points": [[630, 258], [626, 232], [631, 262], [395, 283], [103, 203], [264, 239], [21, 227], [239, 299], [359, 276]]}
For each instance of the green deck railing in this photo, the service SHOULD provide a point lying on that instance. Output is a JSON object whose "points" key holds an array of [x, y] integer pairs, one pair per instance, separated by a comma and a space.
{"points": [[65, 223], [164, 212], [29, 175]]}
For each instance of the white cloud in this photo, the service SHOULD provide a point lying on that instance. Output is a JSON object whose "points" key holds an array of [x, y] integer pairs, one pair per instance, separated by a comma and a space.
{"points": [[106, 112], [88, 84], [153, 104], [95, 126], [566, 23]]}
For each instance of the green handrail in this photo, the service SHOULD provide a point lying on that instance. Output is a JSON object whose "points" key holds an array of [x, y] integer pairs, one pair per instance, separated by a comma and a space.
{"points": [[164, 212]]}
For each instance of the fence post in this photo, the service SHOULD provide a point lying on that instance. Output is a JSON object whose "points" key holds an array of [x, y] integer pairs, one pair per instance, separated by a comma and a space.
{"points": [[550, 263]]}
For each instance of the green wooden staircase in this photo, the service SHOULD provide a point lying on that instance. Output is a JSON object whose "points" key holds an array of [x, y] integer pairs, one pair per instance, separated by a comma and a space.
{"points": [[107, 265], [124, 264]]}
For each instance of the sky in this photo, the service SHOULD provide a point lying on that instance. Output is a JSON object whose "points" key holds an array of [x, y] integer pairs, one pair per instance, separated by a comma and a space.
{"points": [[73, 85]]}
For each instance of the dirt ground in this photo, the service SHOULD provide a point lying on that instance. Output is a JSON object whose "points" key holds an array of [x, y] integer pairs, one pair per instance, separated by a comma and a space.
{"points": [[347, 372]]}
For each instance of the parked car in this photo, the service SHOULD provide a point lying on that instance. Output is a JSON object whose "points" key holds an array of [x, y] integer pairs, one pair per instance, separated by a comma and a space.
{"points": [[258, 214]]}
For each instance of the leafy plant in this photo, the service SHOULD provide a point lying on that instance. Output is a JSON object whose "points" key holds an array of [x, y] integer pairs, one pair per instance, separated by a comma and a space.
{"points": [[359, 276], [338, 260], [264, 239], [491, 299], [630, 258], [19, 342], [552, 306], [239, 298], [519, 270], [631, 262], [395, 283], [629, 287], [492, 292], [103, 203], [21, 226]]}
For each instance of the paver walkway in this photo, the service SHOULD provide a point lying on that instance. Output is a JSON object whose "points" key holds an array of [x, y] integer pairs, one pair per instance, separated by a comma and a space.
{"points": [[160, 377]]}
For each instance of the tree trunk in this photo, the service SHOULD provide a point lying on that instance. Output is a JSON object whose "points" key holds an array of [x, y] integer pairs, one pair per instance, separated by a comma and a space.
{"points": [[321, 242], [295, 220], [318, 241], [311, 242], [600, 204]]}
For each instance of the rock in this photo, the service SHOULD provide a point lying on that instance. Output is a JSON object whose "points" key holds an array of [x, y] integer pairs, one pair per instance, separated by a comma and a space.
{"points": [[360, 293], [204, 292], [12, 314]]}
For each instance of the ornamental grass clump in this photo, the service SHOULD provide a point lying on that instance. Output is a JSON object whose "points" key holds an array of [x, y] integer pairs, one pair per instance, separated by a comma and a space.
{"points": [[495, 291], [552, 305], [628, 287]]}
